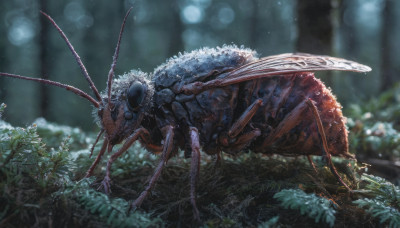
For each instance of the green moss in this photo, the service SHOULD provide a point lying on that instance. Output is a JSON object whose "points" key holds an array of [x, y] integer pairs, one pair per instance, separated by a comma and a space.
{"points": [[381, 199], [29, 173], [52, 134], [315, 207], [112, 212], [36, 184]]}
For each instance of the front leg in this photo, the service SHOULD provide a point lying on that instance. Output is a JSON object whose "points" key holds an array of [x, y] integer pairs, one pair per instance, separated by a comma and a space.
{"points": [[167, 147], [141, 132], [98, 158]]}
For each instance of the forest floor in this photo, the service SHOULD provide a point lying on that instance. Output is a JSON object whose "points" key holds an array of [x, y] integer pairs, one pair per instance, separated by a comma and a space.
{"points": [[42, 165]]}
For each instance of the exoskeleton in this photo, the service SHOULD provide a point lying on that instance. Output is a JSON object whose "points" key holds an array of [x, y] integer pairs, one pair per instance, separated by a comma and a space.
{"points": [[223, 99]]}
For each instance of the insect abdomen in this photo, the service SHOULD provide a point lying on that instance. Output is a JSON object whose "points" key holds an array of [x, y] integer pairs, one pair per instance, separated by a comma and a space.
{"points": [[287, 124]]}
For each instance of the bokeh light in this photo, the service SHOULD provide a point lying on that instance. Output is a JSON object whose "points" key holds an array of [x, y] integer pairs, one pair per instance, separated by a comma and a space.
{"points": [[192, 14], [21, 31]]}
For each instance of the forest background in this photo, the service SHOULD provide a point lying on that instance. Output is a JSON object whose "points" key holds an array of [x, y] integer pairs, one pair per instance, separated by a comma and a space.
{"points": [[366, 31]]}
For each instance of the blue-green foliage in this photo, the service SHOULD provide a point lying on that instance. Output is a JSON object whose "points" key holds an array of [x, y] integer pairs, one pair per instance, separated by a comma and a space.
{"points": [[383, 200], [23, 152], [2, 107], [53, 133], [113, 211], [375, 126], [31, 173], [384, 138], [29, 170], [385, 107], [273, 222], [315, 207], [375, 133], [378, 138]]}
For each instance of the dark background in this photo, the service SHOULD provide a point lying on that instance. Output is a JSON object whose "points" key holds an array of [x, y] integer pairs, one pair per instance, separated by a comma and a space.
{"points": [[367, 31]]}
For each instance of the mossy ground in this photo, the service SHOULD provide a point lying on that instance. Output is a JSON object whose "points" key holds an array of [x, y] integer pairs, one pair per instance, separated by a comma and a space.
{"points": [[41, 170]]}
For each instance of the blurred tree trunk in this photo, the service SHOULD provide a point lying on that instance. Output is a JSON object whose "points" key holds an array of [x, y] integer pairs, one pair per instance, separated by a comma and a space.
{"points": [[3, 48], [347, 28], [254, 24], [315, 28], [388, 17], [175, 30], [44, 60], [348, 47]]}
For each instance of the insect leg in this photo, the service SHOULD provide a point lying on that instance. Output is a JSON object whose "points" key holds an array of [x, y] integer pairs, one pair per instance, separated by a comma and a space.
{"points": [[288, 123], [136, 134], [146, 142], [155, 149], [168, 145], [325, 149], [194, 169], [238, 126], [98, 158], [218, 160], [95, 142], [312, 163], [243, 141]]}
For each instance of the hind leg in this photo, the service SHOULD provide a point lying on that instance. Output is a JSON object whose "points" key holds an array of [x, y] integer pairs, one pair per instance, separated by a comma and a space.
{"points": [[312, 163], [325, 149]]}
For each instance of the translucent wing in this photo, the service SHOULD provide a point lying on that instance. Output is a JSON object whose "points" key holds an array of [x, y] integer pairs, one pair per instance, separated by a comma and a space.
{"points": [[297, 62], [277, 65]]}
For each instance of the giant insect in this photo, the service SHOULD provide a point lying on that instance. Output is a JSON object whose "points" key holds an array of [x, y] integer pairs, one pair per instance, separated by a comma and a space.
{"points": [[223, 99]]}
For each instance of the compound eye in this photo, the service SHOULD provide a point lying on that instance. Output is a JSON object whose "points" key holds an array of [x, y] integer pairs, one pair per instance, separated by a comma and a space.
{"points": [[135, 95]]}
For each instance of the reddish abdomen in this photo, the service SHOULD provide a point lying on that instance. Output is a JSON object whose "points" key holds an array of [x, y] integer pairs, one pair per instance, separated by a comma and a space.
{"points": [[287, 124]]}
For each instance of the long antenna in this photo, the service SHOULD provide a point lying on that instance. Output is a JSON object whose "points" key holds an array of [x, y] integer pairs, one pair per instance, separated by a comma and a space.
{"points": [[48, 82], [78, 59], [115, 57]]}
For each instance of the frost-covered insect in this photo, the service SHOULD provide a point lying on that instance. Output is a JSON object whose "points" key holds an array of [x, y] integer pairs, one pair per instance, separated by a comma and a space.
{"points": [[222, 99]]}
